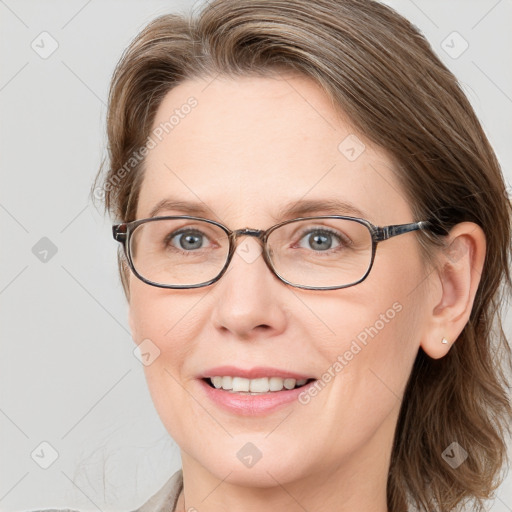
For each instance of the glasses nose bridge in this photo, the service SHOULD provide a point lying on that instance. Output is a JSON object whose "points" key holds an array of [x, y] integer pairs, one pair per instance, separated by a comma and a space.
{"points": [[256, 233]]}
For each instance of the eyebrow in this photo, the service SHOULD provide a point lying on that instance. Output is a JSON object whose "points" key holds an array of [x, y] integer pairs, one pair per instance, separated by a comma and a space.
{"points": [[189, 207], [332, 206], [293, 209]]}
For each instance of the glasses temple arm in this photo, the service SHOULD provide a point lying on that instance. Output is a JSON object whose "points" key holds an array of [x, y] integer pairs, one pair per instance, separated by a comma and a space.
{"points": [[383, 233]]}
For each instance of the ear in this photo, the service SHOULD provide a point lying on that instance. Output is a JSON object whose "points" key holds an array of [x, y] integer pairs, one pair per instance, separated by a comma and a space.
{"points": [[457, 276]]}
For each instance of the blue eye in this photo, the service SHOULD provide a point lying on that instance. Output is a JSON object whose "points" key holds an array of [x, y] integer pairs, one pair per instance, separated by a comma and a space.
{"points": [[320, 240], [187, 240]]}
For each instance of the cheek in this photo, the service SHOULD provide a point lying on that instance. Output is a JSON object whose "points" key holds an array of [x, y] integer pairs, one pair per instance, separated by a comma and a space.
{"points": [[367, 363], [159, 314], [368, 340], [168, 323], [373, 334], [170, 320]]}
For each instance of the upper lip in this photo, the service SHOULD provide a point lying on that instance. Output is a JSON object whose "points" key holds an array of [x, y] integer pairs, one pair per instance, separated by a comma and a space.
{"points": [[252, 373]]}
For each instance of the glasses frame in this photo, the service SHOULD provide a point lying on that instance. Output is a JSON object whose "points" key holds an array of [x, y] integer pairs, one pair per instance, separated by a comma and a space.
{"points": [[122, 233]]}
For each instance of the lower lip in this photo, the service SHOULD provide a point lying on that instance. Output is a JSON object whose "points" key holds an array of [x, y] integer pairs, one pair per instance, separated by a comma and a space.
{"points": [[252, 405]]}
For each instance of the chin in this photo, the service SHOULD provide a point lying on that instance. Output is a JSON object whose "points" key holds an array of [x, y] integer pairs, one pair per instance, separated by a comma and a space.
{"points": [[242, 463]]}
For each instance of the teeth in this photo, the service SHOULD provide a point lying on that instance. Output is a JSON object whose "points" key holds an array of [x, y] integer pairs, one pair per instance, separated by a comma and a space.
{"points": [[240, 384], [276, 383], [217, 382], [227, 382], [260, 385], [289, 383]]}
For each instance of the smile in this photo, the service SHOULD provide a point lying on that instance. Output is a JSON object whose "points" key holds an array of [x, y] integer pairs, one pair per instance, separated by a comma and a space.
{"points": [[255, 386]]}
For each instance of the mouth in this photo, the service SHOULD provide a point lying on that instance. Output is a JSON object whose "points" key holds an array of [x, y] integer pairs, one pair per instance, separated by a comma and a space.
{"points": [[256, 391], [258, 386]]}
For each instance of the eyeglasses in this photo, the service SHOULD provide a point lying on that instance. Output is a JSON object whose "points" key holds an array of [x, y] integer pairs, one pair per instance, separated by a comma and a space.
{"points": [[317, 253]]}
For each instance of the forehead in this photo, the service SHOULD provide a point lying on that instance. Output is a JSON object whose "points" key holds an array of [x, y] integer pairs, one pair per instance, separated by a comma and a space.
{"points": [[244, 147]]}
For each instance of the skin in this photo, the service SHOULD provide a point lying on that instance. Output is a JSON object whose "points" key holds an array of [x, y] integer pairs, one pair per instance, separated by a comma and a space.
{"points": [[250, 146]]}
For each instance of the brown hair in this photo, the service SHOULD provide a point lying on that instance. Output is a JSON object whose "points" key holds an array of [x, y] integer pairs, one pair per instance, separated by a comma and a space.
{"points": [[382, 73]]}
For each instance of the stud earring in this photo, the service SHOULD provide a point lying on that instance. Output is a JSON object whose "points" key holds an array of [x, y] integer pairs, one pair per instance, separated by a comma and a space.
{"points": [[444, 341]]}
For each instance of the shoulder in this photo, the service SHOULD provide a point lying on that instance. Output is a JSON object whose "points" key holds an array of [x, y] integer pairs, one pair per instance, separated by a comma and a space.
{"points": [[163, 501]]}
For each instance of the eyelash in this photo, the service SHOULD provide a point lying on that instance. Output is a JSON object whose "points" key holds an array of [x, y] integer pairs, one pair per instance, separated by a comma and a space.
{"points": [[343, 241]]}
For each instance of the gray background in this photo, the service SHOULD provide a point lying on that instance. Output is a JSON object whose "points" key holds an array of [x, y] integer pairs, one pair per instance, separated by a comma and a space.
{"points": [[68, 374]]}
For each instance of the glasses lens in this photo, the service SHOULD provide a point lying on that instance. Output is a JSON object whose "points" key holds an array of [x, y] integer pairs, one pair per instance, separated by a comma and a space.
{"points": [[178, 252], [321, 252]]}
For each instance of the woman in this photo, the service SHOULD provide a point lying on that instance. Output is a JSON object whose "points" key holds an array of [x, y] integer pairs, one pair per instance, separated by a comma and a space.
{"points": [[350, 360]]}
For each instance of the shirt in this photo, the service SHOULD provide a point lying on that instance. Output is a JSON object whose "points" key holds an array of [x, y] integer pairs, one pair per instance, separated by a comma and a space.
{"points": [[163, 501]]}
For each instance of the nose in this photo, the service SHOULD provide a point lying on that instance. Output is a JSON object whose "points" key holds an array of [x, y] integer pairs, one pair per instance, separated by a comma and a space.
{"points": [[249, 298]]}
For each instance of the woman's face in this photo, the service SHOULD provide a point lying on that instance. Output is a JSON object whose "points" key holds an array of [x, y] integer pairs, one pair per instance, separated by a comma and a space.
{"points": [[248, 149]]}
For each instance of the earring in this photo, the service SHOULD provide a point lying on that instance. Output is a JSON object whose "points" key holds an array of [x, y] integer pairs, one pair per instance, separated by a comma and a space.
{"points": [[444, 341]]}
